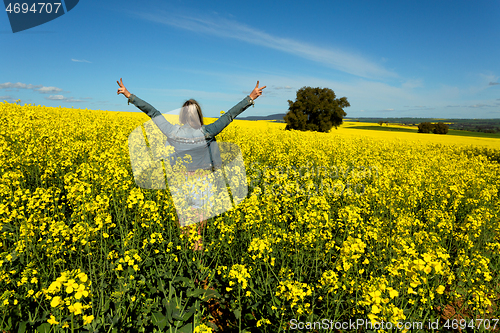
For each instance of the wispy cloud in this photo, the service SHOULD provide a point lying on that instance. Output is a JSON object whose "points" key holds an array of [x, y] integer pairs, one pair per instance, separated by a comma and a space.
{"points": [[18, 85], [55, 97], [62, 98], [48, 90], [76, 60], [480, 105], [493, 83], [40, 88], [418, 108], [338, 59]]}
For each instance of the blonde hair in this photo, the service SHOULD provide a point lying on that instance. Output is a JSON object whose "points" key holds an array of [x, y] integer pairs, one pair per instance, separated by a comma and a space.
{"points": [[191, 114]]}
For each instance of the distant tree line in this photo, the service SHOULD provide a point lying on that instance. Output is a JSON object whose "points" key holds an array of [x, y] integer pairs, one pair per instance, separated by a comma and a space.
{"points": [[437, 128]]}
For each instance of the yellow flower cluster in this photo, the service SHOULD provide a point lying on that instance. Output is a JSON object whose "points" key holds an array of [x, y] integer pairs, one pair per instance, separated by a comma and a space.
{"points": [[202, 329], [330, 280], [130, 259], [295, 292], [377, 298], [352, 249], [69, 292], [261, 248], [240, 274]]}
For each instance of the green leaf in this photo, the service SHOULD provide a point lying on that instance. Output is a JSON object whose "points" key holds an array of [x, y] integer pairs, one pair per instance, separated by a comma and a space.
{"points": [[189, 313], [195, 293], [44, 328], [116, 319], [188, 328], [249, 317], [170, 306], [159, 320], [256, 291], [210, 293], [106, 306], [182, 279], [176, 314], [237, 313], [22, 327]]}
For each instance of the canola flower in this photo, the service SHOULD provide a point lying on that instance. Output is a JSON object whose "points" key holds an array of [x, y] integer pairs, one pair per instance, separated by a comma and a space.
{"points": [[69, 294], [335, 225]]}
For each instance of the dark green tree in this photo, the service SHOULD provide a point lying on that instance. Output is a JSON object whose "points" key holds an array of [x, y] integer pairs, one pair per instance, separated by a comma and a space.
{"points": [[440, 128], [315, 109], [425, 127]]}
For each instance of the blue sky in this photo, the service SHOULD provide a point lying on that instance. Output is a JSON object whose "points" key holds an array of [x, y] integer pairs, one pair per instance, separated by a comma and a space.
{"points": [[389, 58]]}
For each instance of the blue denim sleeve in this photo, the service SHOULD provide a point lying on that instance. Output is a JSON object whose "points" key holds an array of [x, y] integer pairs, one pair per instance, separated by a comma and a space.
{"points": [[163, 124], [221, 123]]}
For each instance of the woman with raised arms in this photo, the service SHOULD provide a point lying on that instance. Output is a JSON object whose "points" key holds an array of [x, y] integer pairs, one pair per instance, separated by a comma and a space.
{"points": [[191, 131]]}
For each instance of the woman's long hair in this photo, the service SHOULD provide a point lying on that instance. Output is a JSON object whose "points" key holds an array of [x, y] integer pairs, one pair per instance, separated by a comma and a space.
{"points": [[191, 114]]}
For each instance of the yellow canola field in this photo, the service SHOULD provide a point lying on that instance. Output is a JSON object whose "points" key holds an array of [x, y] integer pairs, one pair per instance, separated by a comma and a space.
{"points": [[346, 130], [428, 138], [348, 225]]}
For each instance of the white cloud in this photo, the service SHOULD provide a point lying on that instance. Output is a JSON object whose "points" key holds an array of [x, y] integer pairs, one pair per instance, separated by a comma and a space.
{"points": [[62, 98], [488, 78], [18, 85], [76, 60], [40, 88], [280, 87], [55, 97], [338, 59], [48, 90]]}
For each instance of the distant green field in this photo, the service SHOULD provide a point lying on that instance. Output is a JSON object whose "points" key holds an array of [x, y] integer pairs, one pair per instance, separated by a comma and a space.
{"points": [[408, 130], [385, 128], [474, 134]]}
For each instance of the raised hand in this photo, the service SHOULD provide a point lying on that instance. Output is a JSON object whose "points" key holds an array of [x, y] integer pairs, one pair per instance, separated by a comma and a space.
{"points": [[257, 91], [122, 89]]}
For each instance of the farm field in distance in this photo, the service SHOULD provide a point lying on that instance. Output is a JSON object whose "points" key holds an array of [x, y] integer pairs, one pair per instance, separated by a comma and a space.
{"points": [[408, 132], [355, 224]]}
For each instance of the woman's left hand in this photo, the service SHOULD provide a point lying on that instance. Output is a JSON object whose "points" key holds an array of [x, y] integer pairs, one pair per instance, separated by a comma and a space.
{"points": [[257, 91]]}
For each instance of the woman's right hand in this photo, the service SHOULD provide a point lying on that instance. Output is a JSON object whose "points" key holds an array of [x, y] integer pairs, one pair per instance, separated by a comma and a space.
{"points": [[256, 91], [122, 89]]}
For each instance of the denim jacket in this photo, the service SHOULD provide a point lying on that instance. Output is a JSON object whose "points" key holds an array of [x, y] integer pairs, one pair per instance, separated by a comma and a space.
{"points": [[186, 140]]}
